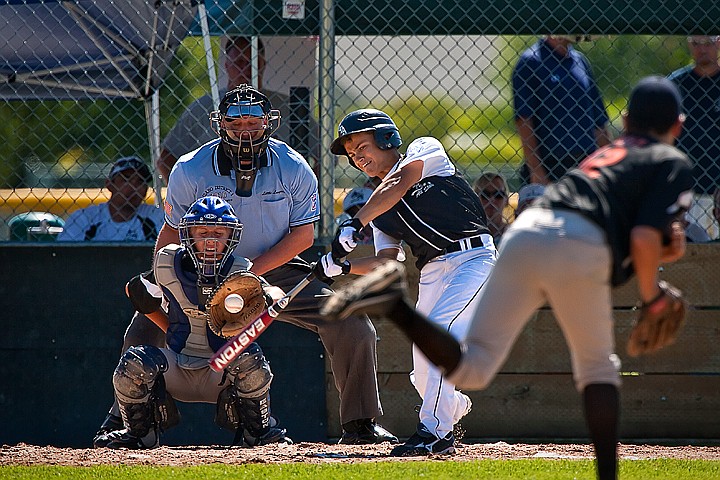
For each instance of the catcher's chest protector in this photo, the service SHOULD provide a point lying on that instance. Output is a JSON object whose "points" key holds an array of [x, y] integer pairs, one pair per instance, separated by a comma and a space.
{"points": [[196, 344]]}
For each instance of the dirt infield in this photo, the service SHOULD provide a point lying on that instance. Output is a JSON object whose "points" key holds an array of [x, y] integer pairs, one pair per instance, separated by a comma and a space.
{"points": [[23, 454]]}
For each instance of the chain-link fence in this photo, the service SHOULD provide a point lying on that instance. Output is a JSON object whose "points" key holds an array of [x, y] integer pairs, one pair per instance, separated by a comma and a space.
{"points": [[86, 82]]}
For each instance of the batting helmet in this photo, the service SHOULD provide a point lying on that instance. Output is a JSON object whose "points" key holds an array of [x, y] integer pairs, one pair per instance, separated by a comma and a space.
{"points": [[35, 227], [387, 135], [210, 211], [245, 147]]}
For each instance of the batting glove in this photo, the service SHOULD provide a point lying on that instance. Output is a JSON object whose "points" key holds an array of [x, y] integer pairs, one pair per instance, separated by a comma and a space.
{"points": [[327, 267], [346, 238]]}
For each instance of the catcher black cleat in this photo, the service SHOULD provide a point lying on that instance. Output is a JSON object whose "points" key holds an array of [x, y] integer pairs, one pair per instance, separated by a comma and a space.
{"points": [[124, 439], [272, 435], [365, 432], [110, 424], [374, 294]]}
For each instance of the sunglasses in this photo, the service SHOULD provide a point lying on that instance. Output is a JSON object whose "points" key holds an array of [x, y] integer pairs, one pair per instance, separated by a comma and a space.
{"points": [[493, 194]]}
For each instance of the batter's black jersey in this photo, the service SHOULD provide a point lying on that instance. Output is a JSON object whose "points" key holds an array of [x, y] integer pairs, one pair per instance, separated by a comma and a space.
{"points": [[634, 181], [434, 213]]}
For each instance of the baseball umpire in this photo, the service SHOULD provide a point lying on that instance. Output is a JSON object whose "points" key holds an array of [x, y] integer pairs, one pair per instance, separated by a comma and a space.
{"points": [[424, 202], [274, 193], [616, 214], [148, 379]]}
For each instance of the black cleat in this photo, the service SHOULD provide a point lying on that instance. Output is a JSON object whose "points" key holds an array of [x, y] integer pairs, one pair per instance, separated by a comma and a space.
{"points": [[273, 435], [423, 443], [374, 294], [365, 432], [124, 439], [110, 424]]}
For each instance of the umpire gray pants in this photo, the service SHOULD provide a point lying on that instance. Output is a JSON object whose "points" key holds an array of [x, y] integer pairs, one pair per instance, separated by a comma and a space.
{"points": [[351, 344]]}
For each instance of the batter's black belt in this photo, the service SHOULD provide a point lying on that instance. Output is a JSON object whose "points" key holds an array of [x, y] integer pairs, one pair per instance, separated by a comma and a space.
{"points": [[462, 245]]}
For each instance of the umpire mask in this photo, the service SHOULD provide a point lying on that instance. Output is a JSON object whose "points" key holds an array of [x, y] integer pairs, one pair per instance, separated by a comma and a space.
{"points": [[245, 121]]}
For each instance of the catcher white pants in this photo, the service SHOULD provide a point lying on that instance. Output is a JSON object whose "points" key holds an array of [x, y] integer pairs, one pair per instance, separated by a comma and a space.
{"points": [[449, 288], [553, 256]]}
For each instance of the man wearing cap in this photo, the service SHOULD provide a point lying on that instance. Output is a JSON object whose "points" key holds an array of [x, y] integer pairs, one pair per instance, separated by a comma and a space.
{"points": [[125, 217], [617, 214]]}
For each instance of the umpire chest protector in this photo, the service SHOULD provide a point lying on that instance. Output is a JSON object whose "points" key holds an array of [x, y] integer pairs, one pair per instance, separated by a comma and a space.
{"points": [[188, 332], [433, 214]]}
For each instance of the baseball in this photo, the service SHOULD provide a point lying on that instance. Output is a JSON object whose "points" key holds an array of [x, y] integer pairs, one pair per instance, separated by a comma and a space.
{"points": [[234, 303]]}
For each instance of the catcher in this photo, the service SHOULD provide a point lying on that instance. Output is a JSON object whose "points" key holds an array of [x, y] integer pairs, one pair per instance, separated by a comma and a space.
{"points": [[617, 214], [195, 278]]}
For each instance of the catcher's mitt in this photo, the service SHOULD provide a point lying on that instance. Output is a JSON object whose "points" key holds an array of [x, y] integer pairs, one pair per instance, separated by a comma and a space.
{"points": [[226, 323], [658, 322]]}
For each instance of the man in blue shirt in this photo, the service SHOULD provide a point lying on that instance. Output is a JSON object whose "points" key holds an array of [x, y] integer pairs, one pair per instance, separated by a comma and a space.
{"points": [[699, 86], [559, 113]]}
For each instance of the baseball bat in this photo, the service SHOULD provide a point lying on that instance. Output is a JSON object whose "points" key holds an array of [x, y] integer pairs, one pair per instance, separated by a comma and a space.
{"points": [[237, 344]]}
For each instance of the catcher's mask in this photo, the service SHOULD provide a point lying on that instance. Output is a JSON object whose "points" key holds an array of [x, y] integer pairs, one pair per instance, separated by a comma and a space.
{"points": [[386, 133], [245, 121], [210, 212]]}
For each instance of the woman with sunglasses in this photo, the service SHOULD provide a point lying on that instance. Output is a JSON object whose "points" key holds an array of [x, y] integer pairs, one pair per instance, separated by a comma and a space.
{"points": [[492, 189]]}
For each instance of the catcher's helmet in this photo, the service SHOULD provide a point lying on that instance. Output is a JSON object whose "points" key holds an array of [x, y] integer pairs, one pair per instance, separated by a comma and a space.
{"points": [[209, 211], [387, 135], [245, 147], [35, 227]]}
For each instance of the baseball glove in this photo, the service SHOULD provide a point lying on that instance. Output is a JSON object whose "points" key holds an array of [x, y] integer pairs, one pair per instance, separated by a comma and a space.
{"points": [[227, 319], [658, 322]]}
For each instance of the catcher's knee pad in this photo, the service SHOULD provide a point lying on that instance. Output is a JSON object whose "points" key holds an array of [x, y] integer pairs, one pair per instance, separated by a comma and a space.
{"points": [[251, 373], [137, 372]]}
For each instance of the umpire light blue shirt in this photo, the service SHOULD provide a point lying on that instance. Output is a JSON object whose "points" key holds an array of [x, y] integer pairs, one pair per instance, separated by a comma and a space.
{"points": [[560, 94], [284, 195]]}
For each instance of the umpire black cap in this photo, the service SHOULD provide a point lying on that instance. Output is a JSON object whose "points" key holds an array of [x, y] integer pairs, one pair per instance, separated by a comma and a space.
{"points": [[655, 105]]}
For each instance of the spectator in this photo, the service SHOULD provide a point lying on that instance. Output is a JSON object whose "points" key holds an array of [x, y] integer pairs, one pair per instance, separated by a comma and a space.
{"points": [[125, 217], [354, 201], [194, 128], [559, 113], [699, 85], [716, 208], [492, 189], [527, 195], [694, 232]]}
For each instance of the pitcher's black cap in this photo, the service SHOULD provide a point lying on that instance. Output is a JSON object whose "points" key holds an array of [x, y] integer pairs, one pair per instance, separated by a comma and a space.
{"points": [[655, 104]]}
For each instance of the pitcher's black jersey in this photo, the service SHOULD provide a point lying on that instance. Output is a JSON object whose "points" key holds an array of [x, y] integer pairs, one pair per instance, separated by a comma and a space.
{"points": [[633, 181]]}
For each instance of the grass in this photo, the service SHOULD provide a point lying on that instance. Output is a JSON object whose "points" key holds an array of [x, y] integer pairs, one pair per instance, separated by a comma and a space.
{"points": [[532, 469]]}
